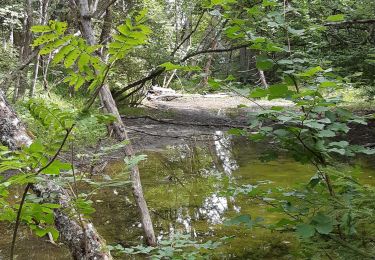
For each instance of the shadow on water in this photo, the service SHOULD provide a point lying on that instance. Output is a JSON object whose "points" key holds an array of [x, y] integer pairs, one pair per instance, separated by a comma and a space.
{"points": [[186, 189]]}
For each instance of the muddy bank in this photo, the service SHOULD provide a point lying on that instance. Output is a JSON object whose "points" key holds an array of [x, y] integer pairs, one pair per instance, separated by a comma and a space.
{"points": [[198, 118]]}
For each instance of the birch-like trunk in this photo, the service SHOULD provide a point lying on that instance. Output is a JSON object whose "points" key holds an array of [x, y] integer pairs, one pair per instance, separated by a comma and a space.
{"points": [[82, 239], [263, 79], [118, 128]]}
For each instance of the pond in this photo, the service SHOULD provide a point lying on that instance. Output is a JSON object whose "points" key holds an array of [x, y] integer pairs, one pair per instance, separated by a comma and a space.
{"points": [[186, 186]]}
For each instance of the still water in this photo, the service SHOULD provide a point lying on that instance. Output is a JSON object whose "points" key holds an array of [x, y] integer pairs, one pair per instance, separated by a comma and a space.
{"points": [[186, 188]]}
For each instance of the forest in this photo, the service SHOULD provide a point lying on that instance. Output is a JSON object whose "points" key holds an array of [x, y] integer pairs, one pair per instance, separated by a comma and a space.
{"points": [[187, 129]]}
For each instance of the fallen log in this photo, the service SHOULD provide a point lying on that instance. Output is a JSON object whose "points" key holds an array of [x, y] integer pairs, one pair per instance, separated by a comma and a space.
{"points": [[80, 237]]}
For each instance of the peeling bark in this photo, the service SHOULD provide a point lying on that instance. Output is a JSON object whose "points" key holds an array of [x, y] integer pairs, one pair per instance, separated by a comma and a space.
{"points": [[82, 239]]}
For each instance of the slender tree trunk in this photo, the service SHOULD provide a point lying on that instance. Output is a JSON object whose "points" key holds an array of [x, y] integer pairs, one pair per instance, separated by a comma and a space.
{"points": [[25, 51], [81, 238], [207, 67], [263, 79], [118, 128], [46, 63], [43, 7], [36, 72], [166, 84]]}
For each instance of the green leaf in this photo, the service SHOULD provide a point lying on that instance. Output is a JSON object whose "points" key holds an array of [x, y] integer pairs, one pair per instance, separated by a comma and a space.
{"points": [[296, 32], [71, 58], [61, 27], [51, 46], [259, 93], [41, 28], [278, 91], [311, 72], [341, 144], [44, 39], [305, 230], [83, 60], [141, 17], [336, 18], [92, 48], [323, 223], [62, 53], [37, 147], [243, 219], [264, 63], [313, 124], [326, 133], [328, 84]]}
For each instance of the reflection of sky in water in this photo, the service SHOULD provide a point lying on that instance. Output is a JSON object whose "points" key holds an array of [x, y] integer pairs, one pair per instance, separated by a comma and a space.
{"points": [[214, 206], [223, 146]]}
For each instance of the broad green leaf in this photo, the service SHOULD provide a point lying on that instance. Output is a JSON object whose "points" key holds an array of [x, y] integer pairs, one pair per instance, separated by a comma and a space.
{"points": [[305, 230], [259, 93], [278, 91], [323, 223], [61, 27], [44, 39], [313, 124], [341, 144], [41, 28], [311, 72], [83, 60], [71, 58], [243, 219], [326, 133], [92, 48], [62, 53], [264, 63], [296, 32], [328, 84], [266, 3], [336, 18], [141, 17], [51, 46]]}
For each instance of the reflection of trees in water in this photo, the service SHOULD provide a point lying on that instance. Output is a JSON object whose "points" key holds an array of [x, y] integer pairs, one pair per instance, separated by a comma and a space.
{"points": [[187, 167], [223, 145]]}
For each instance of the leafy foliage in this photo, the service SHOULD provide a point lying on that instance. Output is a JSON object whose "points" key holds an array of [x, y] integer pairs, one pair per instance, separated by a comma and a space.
{"points": [[177, 247]]}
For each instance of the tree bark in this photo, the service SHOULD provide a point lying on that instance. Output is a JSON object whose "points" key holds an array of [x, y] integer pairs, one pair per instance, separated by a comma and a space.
{"points": [[118, 128], [207, 68], [20, 87], [263, 79], [43, 8], [82, 239]]}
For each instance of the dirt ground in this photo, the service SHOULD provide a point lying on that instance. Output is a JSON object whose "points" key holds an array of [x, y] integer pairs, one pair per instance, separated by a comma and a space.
{"points": [[198, 117]]}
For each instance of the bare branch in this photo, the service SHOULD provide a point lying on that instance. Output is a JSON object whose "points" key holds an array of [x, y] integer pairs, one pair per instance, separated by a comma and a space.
{"points": [[188, 36]]}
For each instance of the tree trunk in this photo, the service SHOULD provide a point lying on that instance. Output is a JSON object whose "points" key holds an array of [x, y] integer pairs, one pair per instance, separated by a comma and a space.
{"points": [[83, 240], [118, 128], [20, 87], [263, 79], [207, 67], [43, 8]]}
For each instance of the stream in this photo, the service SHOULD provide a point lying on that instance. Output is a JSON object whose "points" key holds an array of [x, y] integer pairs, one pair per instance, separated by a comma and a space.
{"points": [[185, 186]]}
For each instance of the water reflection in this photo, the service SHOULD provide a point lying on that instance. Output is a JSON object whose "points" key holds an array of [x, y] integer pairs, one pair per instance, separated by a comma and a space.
{"points": [[223, 145], [185, 187]]}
